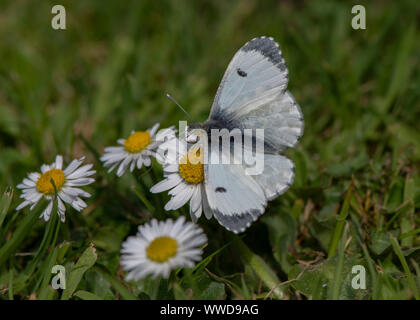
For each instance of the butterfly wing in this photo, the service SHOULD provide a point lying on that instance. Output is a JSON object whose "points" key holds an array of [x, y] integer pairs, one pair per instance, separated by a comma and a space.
{"points": [[233, 197], [253, 95], [277, 176]]}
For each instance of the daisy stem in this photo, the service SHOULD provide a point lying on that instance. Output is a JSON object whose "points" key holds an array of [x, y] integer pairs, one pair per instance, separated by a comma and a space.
{"points": [[144, 200], [45, 273], [27, 274], [145, 189], [160, 205], [46, 240], [49, 262], [47, 237]]}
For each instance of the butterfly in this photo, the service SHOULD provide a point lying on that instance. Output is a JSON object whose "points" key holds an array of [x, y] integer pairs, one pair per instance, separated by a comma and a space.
{"points": [[252, 95]]}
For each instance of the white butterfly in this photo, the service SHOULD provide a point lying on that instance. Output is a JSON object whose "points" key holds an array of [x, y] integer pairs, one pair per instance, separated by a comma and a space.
{"points": [[252, 95]]}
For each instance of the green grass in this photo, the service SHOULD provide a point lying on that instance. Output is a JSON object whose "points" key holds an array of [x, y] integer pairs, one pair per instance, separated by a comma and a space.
{"points": [[356, 195]]}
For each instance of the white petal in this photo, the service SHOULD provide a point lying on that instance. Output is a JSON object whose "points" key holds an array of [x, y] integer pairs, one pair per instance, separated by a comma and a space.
{"points": [[153, 130], [196, 199], [45, 168], [146, 161], [75, 192], [73, 166], [123, 166], [79, 182], [81, 172], [166, 184], [179, 200], [139, 162], [59, 162], [23, 205], [61, 210], [28, 182], [47, 212], [34, 176]]}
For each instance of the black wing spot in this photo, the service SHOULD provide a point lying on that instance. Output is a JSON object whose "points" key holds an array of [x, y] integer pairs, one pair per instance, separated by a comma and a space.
{"points": [[241, 72], [220, 189]]}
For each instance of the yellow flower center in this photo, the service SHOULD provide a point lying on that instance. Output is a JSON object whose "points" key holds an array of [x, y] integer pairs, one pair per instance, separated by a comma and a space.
{"points": [[137, 141], [44, 184], [161, 249], [191, 167]]}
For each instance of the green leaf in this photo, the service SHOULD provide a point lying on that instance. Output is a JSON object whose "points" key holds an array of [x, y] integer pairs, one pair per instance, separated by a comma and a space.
{"points": [[282, 232], [123, 291], [85, 295], [317, 281], [380, 241], [179, 293], [203, 263], [260, 267], [209, 289], [85, 262], [311, 282]]}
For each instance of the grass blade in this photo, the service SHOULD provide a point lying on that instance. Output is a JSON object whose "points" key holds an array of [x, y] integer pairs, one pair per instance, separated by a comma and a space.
{"points": [[398, 252], [341, 219], [336, 285], [18, 236], [5, 201]]}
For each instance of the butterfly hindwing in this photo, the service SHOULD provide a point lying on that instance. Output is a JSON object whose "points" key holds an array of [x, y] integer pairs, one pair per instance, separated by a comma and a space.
{"points": [[281, 120], [235, 198], [277, 176]]}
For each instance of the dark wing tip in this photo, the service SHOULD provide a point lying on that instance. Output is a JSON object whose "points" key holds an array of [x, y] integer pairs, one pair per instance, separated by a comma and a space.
{"points": [[268, 47]]}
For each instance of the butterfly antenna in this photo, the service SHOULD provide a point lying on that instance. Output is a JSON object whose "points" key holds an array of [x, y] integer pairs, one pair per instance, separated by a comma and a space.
{"points": [[169, 96]]}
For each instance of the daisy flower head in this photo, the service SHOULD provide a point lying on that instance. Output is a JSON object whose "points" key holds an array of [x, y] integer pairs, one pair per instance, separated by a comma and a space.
{"points": [[160, 247], [67, 182], [184, 178], [136, 150]]}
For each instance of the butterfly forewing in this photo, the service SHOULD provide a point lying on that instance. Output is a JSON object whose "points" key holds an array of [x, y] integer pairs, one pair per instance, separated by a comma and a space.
{"points": [[256, 74]]}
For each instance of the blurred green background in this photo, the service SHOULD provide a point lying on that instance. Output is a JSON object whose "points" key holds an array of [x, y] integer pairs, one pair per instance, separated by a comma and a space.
{"points": [[75, 91]]}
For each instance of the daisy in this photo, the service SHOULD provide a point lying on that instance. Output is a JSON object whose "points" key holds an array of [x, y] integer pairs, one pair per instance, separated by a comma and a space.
{"points": [[160, 247], [135, 151], [184, 177], [67, 181]]}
